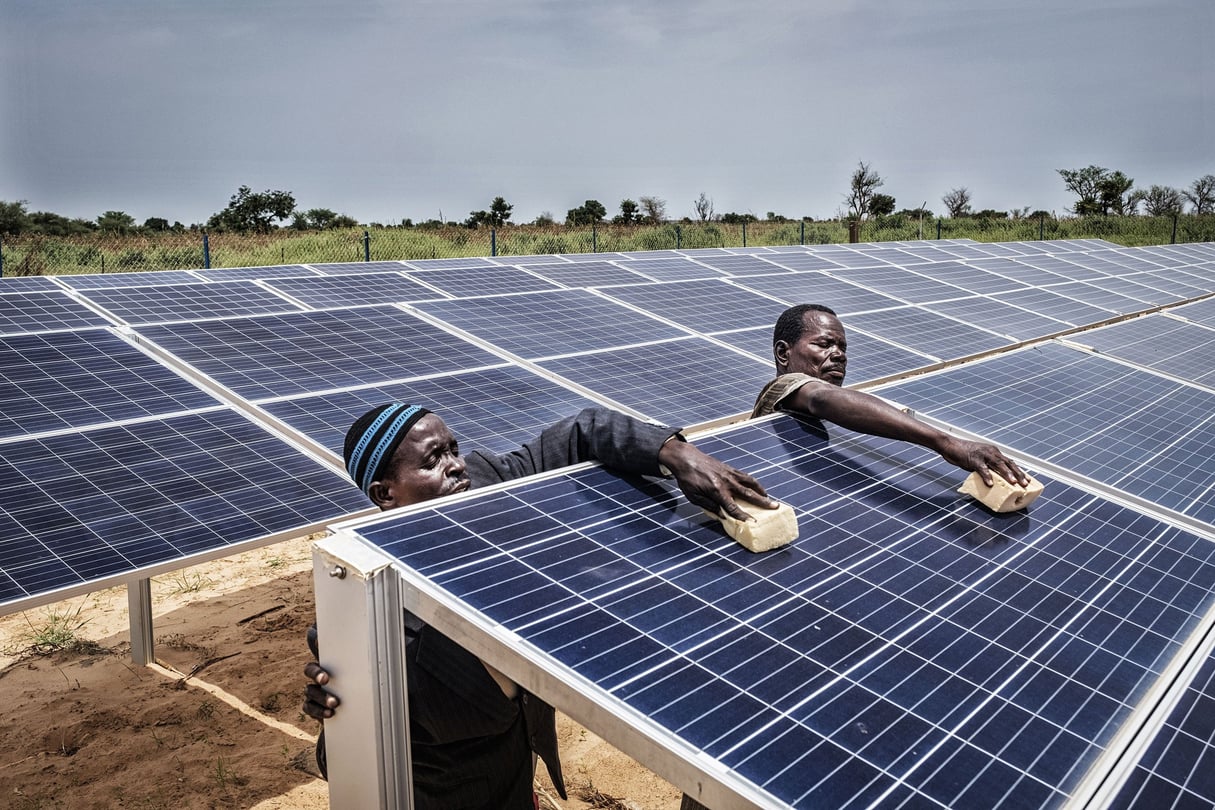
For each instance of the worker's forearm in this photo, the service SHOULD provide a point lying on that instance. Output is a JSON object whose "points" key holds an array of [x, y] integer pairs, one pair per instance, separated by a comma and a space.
{"points": [[864, 413]]}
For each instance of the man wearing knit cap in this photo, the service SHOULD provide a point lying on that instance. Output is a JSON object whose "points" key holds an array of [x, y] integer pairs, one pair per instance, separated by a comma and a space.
{"points": [[474, 733]]}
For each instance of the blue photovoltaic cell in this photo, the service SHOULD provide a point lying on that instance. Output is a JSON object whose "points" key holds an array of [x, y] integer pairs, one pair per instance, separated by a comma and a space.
{"points": [[703, 306], [90, 506], [10, 284], [1200, 312], [742, 265], [353, 290], [854, 258], [968, 278], [927, 332], [869, 358], [587, 274], [1181, 284], [1175, 770], [430, 264], [350, 268], [187, 302], [803, 262], [92, 281], [992, 314], [43, 312], [679, 268], [1099, 296], [677, 382], [1139, 289], [819, 288], [1055, 305], [274, 271], [495, 409], [903, 284], [547, 324], [472, 281], [909, 649], [1184, 350], [308, 352], [58, 380], [1065, 266], [1130, 429]]}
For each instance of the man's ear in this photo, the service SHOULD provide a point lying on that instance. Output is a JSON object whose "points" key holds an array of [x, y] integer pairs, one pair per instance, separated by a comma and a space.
{"points": [[381, 495], [780, 353]]}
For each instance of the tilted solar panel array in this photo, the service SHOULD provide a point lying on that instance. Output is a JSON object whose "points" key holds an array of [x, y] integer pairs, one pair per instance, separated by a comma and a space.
{"points": [[112, 381]]}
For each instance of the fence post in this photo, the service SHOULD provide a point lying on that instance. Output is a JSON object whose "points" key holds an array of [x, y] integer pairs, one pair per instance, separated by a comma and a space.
{"points": [[1173, 240], [1041, 226], [206, 252], [678, 237], [366, 246], [594, 239], [1, 258], [493, 241], [938, 229], [803, 240]]}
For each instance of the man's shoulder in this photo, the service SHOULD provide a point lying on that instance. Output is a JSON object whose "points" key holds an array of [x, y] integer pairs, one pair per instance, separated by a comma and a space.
{"points": [[775, 392]]}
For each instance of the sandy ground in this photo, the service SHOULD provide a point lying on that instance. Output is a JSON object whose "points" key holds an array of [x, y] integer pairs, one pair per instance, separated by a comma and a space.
{"points": [[217, 722]]}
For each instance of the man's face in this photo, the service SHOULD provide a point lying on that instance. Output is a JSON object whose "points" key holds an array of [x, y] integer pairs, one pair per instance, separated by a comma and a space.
{"points": [[821, 351], [427, 464]]}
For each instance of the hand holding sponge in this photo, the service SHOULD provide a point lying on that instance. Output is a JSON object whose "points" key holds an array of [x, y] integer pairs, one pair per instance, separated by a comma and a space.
{"points": [[767, 529], [1001, 496]]}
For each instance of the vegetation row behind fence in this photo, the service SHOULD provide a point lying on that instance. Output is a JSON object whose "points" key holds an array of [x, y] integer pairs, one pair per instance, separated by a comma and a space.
{"points": [[30, 255]]}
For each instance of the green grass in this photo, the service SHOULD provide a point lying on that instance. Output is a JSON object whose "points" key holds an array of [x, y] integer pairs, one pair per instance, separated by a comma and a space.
{"points": [[55, 629]]}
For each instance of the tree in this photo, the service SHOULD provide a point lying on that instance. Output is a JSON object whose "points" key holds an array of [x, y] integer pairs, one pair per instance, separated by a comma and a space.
{"points": [[628, 213], [1201, 194], [476, 219], [733, 218], [588, 213], [957, 202], [250, 211], [1113, 189], [319, 219], [1100, 190], [864, 184], [116, 221], [1162, 201], [499, 212], [545, 219], [13, 218], [653, 209], [881, 205], [51, 224], [704, 207], [156, 224]]}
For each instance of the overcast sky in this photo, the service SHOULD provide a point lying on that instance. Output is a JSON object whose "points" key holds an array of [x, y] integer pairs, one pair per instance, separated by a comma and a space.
{"points": [[388, 110]]}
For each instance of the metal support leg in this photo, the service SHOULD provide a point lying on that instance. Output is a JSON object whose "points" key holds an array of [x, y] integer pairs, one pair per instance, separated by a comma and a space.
{"points": [[139, 610]]}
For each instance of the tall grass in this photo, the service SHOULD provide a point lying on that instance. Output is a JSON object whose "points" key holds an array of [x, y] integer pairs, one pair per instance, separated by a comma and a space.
{"points": [[105, 253]]}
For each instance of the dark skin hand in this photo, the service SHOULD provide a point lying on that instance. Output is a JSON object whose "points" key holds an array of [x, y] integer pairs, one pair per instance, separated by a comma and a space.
{"points": [[317, 702], [711, 484]]}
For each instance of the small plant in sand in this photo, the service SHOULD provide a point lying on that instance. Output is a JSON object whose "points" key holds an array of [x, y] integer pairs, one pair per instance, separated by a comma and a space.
{"points": [[57, 629], [188, 582]]}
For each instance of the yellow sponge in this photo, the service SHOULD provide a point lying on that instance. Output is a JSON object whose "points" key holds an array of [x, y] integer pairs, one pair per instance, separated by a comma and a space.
{"points": [[1001, 496], [767, 529]]}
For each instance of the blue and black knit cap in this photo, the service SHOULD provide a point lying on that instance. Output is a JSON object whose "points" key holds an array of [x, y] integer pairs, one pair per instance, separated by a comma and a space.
{"points": [[373, 439]]}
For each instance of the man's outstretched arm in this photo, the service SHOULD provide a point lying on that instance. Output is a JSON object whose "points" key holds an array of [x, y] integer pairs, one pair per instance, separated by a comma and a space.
{"points": [[865, 413]]}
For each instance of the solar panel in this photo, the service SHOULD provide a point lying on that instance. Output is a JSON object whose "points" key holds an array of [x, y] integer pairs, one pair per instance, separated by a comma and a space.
{"points": [[1177, 282], [351, 268], [671, 269], [92, 281], [902, 284], [432, 264], [43, 312], [88, 507], [475, 281], [1201, 312], [353, 290], [910, 649], [1099, 296], [818, 288], [927, 332], [59, 380], [272, 271], [587, 274], [996, 316], [187, 302], [308, 352], [741, 265], [802, 262], [968, 278], [1184, 350], [10, 284], [1139, 290], [545, 324], [677, 382], [495, 409], [1142, 433], [703, 306], [1017, 270], [1055, 305]]}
